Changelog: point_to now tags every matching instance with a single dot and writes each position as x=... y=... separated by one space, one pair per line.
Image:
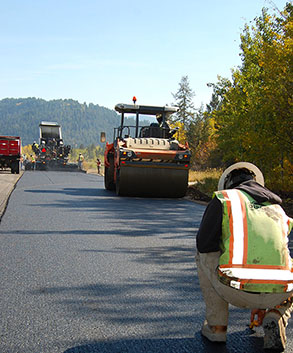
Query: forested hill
x=81 y=123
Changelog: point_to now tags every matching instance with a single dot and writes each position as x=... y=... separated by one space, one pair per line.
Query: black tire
x=17 y=168
x=28 y=166
x=109 y=174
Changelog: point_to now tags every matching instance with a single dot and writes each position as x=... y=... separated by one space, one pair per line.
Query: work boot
x=214 y=333
x=275 y=331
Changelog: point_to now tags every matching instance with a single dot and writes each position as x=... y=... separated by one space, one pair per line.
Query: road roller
x=145 y=159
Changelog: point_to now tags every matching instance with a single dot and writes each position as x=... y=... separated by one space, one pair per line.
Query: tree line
x=249 y=117
x=81 y=123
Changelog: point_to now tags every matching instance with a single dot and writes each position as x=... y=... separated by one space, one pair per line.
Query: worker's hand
x=260 y=314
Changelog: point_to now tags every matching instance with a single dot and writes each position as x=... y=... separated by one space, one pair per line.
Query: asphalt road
x=83 y=270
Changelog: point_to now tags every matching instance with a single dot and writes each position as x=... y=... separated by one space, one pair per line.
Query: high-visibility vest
x=255 y=255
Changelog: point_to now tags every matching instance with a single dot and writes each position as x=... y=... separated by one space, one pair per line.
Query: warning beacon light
x=134 y=99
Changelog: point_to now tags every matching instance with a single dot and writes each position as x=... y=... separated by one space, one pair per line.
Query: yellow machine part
x=151 y=181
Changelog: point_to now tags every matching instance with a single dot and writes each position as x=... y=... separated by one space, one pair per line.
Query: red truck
x=10 y=153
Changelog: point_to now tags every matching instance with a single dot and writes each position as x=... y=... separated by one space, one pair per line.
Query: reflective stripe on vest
x=234 y=268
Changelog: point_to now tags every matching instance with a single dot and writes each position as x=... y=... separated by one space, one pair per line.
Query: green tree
x=254 y=117
x=219 y=90
x=184 y=100
x=199 y=135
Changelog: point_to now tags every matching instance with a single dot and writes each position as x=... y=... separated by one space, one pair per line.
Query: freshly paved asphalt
x=83 y=270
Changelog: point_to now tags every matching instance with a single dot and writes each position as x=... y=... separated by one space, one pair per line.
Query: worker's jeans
x=218 y=296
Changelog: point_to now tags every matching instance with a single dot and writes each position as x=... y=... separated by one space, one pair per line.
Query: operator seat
x=154 y=130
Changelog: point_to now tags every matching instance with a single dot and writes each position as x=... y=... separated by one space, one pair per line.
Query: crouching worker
x=243 y=257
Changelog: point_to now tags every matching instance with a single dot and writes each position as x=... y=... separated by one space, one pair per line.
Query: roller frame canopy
x=145 y=109
x=48 y=123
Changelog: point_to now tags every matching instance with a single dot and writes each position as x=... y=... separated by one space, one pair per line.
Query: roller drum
x=151 y=181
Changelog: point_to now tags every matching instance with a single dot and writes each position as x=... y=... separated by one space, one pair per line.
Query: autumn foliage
x=250 y=116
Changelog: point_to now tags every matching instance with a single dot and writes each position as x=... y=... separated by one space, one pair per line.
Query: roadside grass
x=89 y=165
x=205 y=182
x=202 y=175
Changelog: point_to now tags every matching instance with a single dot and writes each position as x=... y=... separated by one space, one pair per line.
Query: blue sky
x=104 y=52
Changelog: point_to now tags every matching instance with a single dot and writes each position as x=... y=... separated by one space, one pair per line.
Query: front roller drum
x=151 y=181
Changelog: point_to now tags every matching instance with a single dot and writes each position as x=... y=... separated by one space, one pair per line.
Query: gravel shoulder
x=7 y=185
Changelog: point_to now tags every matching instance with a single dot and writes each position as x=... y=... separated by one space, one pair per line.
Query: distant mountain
x=81 y=123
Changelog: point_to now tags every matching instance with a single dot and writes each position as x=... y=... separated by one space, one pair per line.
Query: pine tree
x=183 y=99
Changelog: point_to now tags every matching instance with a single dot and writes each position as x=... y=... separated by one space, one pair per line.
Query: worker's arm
x=210 y=230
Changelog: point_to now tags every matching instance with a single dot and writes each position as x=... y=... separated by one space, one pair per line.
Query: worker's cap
x=250 y=169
